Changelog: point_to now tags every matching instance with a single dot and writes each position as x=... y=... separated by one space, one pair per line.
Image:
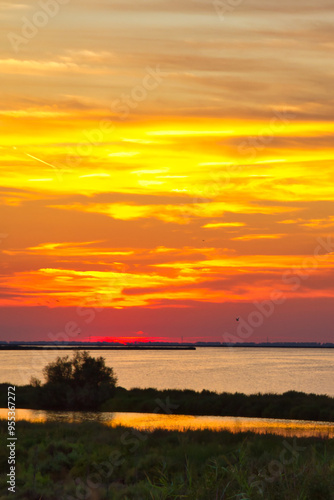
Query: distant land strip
x=24 y=347
x=16 y=345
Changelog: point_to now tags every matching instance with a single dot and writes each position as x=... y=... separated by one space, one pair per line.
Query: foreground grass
x=290 y=405
x=92 y=461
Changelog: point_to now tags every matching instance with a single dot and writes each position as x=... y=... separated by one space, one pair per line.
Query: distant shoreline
x=104 y=346
x=94 y=348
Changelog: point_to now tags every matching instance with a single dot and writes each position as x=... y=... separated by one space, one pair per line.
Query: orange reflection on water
x=151 y=421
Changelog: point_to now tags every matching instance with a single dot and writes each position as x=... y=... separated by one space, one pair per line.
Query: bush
x=79 y=383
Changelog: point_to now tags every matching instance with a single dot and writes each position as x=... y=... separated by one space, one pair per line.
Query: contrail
x=59 y=170
x=42 y=161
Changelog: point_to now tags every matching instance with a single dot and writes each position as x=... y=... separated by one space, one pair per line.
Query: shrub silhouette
x=78 y=383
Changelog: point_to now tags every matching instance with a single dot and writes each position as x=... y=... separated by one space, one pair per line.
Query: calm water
x=152 y=421
x=232 y=370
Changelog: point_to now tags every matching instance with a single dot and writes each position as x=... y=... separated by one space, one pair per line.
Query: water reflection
x=214 y=369
x=152 y=421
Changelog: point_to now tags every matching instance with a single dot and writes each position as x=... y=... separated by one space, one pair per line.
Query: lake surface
x=151 y=421
x=246 y=370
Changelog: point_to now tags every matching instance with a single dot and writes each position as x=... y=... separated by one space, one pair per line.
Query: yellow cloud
x=248 y=237
x=213 y=225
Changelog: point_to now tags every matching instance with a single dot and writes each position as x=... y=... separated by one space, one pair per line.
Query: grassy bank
x=76 y=461
x=290 y=405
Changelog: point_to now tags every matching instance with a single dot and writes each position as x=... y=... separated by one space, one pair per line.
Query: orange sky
x=169 y=164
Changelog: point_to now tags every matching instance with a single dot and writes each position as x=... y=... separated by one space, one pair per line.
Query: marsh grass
x=290 y=405
x=53 y=459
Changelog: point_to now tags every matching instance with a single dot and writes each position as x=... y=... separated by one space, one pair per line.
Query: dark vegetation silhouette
x=78 y=383
x=290 y=405
x=93 y=461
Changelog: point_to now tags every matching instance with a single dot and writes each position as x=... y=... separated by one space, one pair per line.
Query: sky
x=166 y=167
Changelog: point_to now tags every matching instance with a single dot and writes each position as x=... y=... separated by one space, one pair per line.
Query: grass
x=92 y=461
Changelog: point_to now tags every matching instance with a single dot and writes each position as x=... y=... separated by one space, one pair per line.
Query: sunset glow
x=171 y=182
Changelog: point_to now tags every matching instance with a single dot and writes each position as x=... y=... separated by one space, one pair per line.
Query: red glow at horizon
x=125 y=340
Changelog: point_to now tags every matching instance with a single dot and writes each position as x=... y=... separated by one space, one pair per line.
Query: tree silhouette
x=80 y=382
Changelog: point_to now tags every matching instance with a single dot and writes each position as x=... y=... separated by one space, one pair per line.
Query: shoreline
x=291 y=405
x=21 y=346
x=96 y=348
